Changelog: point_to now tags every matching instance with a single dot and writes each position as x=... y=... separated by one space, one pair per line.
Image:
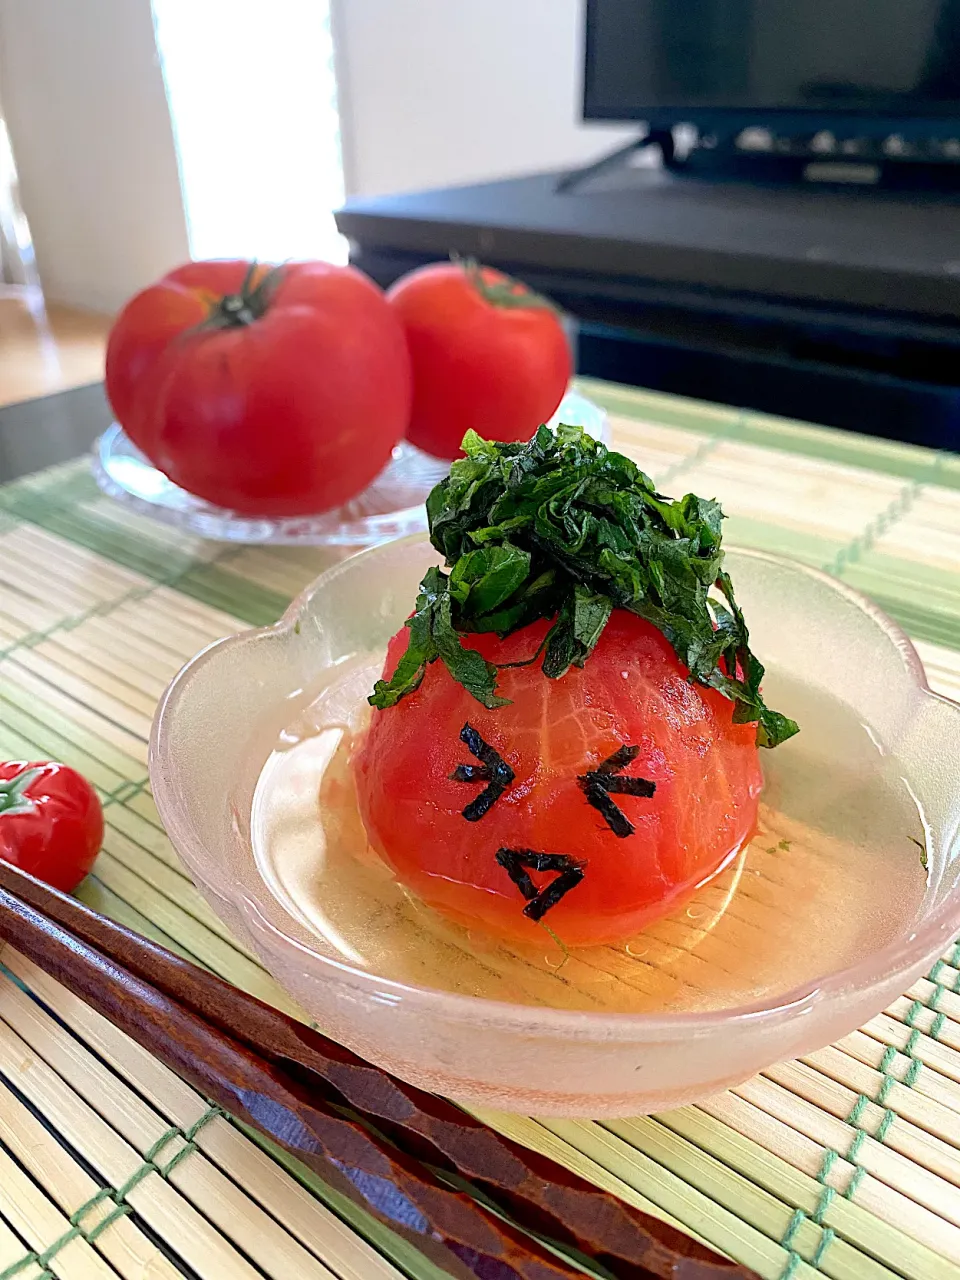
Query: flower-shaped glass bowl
x=223 y=716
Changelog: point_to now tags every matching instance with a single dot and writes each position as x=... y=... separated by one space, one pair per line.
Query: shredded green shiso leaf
x=560 y=527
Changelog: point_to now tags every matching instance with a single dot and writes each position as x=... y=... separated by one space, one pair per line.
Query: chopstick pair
x=403 y=1154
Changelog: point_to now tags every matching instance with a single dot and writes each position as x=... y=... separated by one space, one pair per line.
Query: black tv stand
x=662 y=138
x=759 y=155
x=835 y=304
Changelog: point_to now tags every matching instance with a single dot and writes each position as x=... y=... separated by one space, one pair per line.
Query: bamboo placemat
x=846 y=1164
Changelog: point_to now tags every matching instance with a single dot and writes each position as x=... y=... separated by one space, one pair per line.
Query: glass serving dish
x=749 y=973
x=390 y=507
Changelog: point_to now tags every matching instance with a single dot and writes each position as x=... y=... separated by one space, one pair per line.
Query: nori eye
x=492 y=769
x=601 y=784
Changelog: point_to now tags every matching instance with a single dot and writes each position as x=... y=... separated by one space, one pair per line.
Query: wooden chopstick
x=353 y=1123
x=450 y=1227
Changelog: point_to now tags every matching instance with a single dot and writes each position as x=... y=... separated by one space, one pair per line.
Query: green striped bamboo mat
x=845 y=1164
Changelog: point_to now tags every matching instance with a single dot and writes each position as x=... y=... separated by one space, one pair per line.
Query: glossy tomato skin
x=51 y=822
x=632 y=691
x=291 y=414
x=498 y=370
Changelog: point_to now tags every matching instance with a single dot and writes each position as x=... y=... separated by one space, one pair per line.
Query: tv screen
x=889 y=57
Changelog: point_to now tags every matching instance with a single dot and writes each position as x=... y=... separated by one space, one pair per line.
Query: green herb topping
x=562 y=528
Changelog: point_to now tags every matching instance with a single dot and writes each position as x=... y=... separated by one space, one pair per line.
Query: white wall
x=84 y=97
x=261 y=174
x=431 y=92
x=444 y=91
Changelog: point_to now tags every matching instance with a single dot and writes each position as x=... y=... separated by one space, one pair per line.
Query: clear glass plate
x=391 y=507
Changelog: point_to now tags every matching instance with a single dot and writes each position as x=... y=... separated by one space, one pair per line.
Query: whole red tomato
x=634 y=693
x=270 y=391
x=51 y=823
x=488 y=354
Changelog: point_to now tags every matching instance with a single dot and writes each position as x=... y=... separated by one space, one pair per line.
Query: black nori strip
x=619 y=760
x=621 y=786
x=510 y=860
x=471 y=773
x=545 y=861
x=484 y=802
x=482 y=750
x=516 y=861
x=613 y=815
x=554 y=891
x=493 y=769
x=599 y=784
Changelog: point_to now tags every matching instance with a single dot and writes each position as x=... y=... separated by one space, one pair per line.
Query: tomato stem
x=237 y=310
x=12 y=797
x=506 y=293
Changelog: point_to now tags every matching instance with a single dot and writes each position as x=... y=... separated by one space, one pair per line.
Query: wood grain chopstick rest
x=320 y=1084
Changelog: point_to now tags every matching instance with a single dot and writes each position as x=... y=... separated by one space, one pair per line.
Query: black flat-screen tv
x=706 y=61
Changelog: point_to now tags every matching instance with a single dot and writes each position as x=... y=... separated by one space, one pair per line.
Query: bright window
x=253 y=100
